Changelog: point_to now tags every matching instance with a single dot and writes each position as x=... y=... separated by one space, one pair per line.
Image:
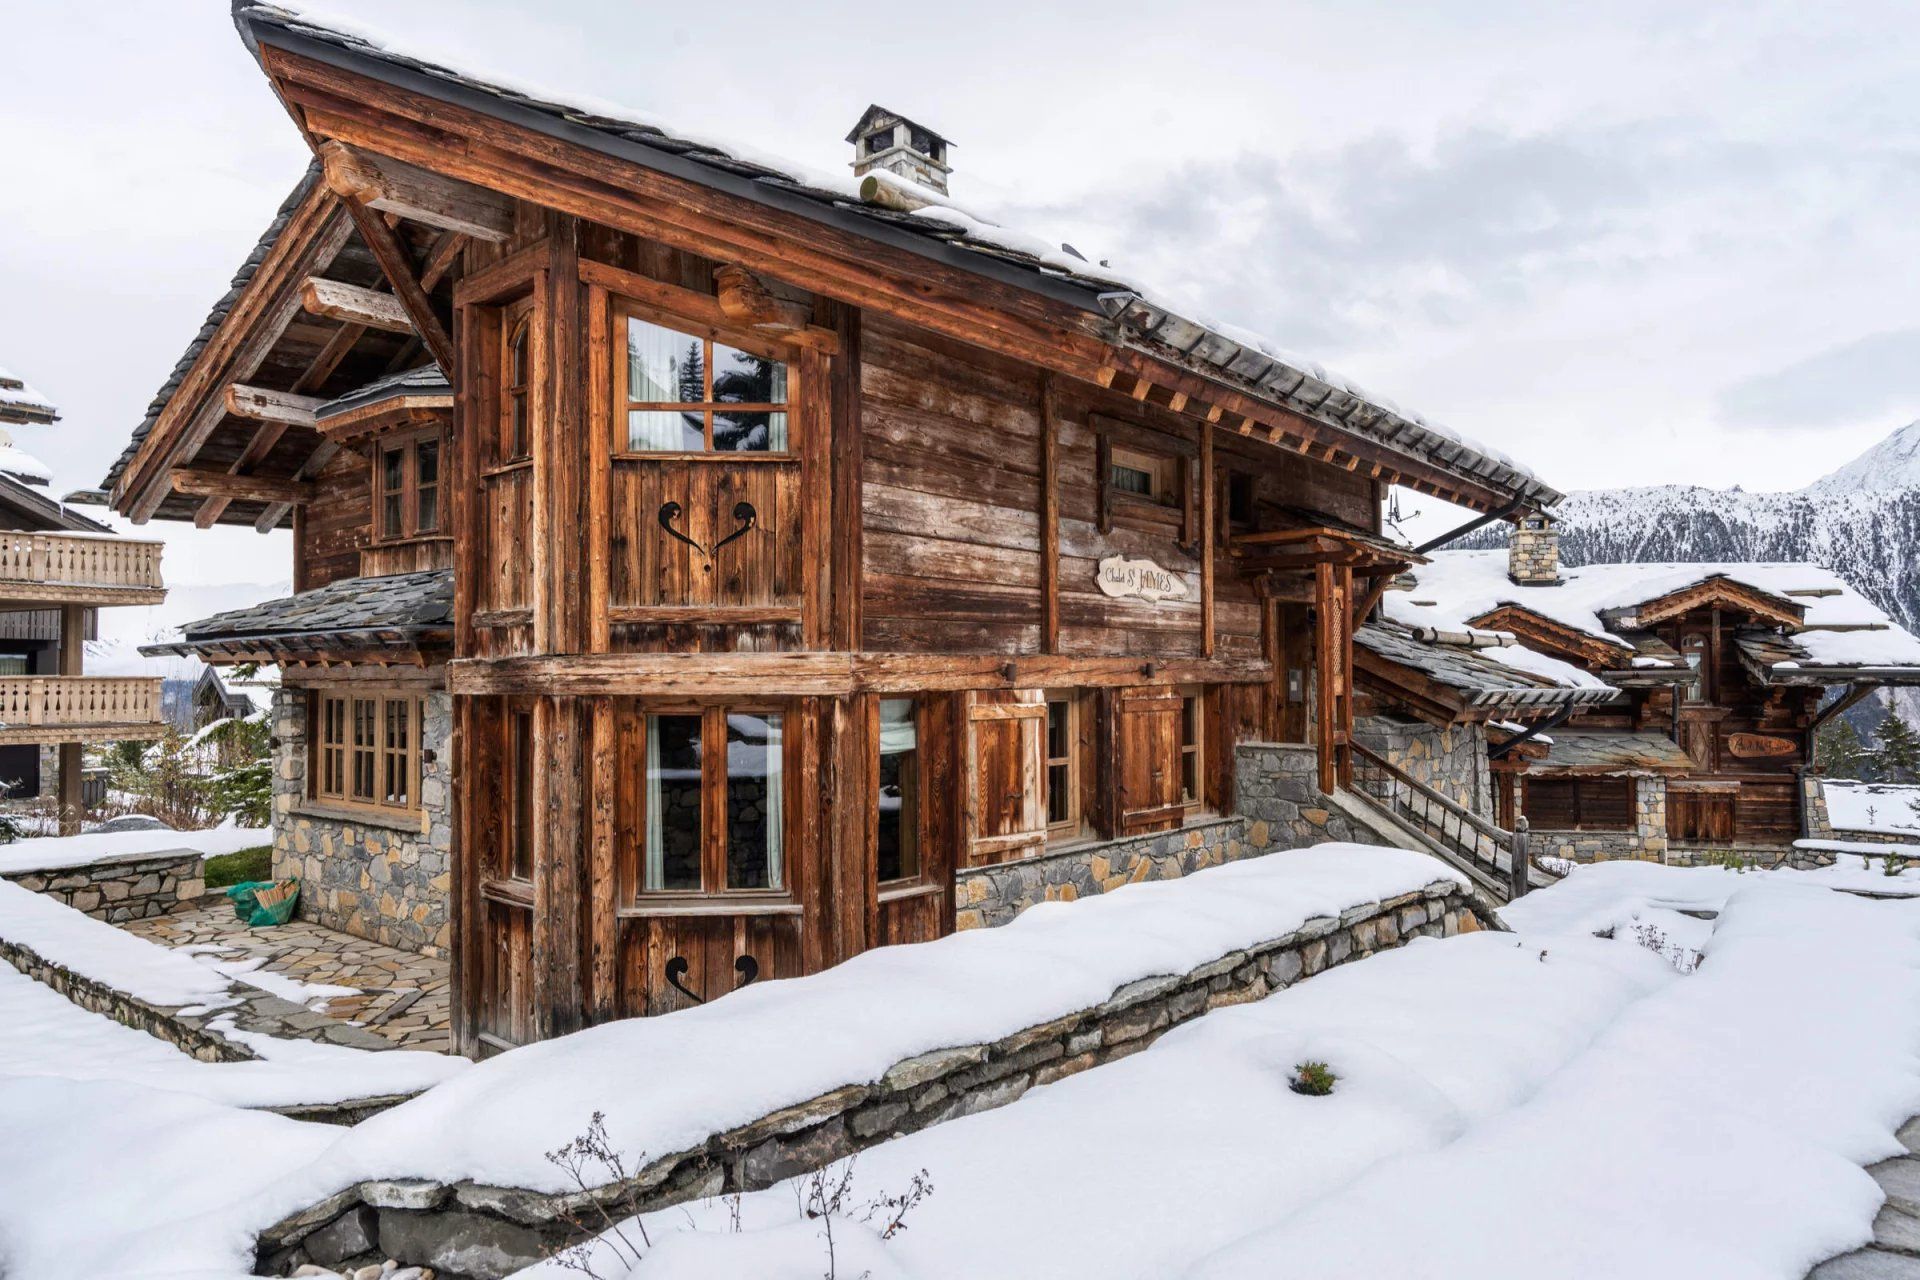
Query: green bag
x=264 y=902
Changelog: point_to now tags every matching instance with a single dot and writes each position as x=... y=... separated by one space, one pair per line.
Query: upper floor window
x=691 y=393
x=1147 y=476
x=516 y=380
x=1694 y=650
x=407 y=487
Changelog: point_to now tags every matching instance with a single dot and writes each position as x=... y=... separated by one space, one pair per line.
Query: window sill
x=412 y=539
x=906 y=892
x=411 y=821
x=655 y=908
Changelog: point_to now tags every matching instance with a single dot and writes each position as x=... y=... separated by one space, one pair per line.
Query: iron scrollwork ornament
x=746 y=966
x=745 y=518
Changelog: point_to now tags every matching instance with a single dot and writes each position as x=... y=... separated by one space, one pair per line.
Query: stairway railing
x=1499 y=854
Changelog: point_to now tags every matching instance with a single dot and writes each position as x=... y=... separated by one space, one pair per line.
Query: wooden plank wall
x=337 y=525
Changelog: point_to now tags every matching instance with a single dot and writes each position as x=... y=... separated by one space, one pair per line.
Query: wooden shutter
x=1147 y=733
x=1006 y=812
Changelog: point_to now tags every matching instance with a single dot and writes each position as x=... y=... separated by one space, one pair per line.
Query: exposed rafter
x=419 y=195
x=202 y=481
x=351 y=304
x=397 y=264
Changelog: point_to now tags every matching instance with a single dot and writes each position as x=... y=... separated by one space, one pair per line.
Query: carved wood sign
x=1760 y=746
x=1138 y=579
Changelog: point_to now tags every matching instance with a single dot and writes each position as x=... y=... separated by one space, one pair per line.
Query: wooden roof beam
x=202 y=482
x=350 y=304
x=277 y=508
x=397 y=265
x=262 y=405
x=393 y=186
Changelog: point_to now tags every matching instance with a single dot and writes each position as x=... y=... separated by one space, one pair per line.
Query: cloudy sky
x=1625 y=242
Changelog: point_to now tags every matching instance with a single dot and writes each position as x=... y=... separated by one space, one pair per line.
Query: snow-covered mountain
x=1862 y=521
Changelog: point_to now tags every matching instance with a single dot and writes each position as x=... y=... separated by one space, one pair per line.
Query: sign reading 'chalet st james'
x=1139 y=579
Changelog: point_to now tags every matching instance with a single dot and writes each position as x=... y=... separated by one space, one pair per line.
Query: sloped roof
x=402 y=608
x=22 y=403
x=23 y=506
x=1486 y=677
x=1841 y=629
x=427 y=380
x=1148 y=318
x=1630 y=754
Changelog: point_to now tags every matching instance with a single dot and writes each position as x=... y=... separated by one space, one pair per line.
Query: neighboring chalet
x=57 y=569
x=705 y=571
x=1721 y=670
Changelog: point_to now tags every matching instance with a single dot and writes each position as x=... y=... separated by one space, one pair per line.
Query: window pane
x=673 y=803
x=1059 y=729
x=740 y=377
x=899 y=799
x=749 y=432
x=1132 y=480
x=1059 y=793
x=753 y=802
x=517 y=357
x=426 y=462
x=653 y=430
x=518 y=443
x=664 y=367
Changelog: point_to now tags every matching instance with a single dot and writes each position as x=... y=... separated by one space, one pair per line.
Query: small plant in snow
x=1315 y=1079
x=827 y=1194
x=1654 y=938
x=1894 y=864
x=1733 y=861
x=593 y=1153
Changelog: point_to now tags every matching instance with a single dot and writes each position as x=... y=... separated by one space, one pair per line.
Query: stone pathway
x=402 y=997
x=1895 y=1251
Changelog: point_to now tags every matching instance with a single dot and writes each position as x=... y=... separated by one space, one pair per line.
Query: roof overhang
x=1713 y=590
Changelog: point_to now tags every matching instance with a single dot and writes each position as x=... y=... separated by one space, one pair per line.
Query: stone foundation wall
x=1277 y=791
x=993 y=895
x=1647 y=841
x=387 y=879
x=471 y=1232
x=1452 y=759
x=1769 y=857
x=134 y=889
x=1813 y=804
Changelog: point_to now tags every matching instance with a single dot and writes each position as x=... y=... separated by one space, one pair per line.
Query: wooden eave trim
x=1577 y=645
x=553 y=163
x=827 y=674
x=313 y=236
x=382 y=416
x=1723 y=592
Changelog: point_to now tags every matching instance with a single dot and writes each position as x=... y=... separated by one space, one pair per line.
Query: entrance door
x=1292 y=653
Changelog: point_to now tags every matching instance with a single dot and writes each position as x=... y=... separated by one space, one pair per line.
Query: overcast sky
x=1627 y=243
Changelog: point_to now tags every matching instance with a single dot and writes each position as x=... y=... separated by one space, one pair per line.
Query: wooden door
x=1006 y=814
x=1147 y=733
x=1292 y=671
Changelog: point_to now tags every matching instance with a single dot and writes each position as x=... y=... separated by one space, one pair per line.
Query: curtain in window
x=656 y=874
x=775 y=824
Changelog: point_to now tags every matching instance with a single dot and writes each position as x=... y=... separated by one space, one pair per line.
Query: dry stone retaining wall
x=130 y=889
x=471 y=1232
x=1277 y=791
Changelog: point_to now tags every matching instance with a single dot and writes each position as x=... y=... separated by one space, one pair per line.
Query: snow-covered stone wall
x=128 y=889
x=388 y=879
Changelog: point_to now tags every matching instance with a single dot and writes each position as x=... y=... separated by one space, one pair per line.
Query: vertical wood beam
x=1333 y=636
x=564 y=466
x=465 y=916
x=1049 y=517
x=559 y=751
x=599 y=417
x=818 y=533
x=849 y=457
x=602 y=879
x=73 y=638
x=397 y=265
x=844 y=794
x=1208 y=536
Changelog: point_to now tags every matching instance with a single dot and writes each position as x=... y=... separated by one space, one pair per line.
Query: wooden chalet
x=728 y=563
x=1723 y=673
x=58 y=568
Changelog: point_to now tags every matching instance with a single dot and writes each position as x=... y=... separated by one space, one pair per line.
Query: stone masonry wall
x=985 y=896
x=1452 y=759
x=1277 y=791
x=134 y=889
x=385 y=879
x=1647 y=841
x=472 y=1232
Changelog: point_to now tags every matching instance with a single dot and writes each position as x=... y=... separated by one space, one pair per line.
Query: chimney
x=886 y=140
x=1533 y=551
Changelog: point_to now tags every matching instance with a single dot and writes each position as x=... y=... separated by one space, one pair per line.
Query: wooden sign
x=1760 y=746
x=1138 y=579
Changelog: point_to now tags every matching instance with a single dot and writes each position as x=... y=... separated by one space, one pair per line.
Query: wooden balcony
x=78 y=568
x=78 y=708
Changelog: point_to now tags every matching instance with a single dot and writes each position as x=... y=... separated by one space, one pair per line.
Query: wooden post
x=1049 y=519
x=1517 y=871
x=559 y=858
x=1207 y=536
x=73 y=637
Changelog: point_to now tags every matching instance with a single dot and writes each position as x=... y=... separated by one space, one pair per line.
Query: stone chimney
x=1533 y=551
x=886 y=140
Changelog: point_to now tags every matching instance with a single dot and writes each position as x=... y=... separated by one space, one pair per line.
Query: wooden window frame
x=1166 y=472
x=713 y=786
x=1073 y=826
x=336 y=754
x=921 y=833
x=518 y=845
x=623 y=308
x=516 y=329
x=1193 y=703
x=408 y=446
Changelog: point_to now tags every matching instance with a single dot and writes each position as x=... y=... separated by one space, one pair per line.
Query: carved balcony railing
x=78 y=568
x=78 y=708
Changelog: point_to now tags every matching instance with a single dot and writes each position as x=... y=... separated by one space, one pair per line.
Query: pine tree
x=1897 y=750
x=1839 y=751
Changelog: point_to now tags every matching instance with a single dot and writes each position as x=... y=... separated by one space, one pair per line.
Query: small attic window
x=878 y=142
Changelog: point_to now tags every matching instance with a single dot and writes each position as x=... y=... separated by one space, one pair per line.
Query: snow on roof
x=1158 y=314
x=22 y=403
x=16 y=461
x=1842 y=628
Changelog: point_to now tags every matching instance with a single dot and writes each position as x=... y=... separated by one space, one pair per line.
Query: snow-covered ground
x=1885 y=807
x=48 y=853
x=1539 y=1103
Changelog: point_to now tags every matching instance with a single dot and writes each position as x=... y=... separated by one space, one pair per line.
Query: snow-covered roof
x=21 y=465
x=1154 y=319
x=22 y=403
x=1841 y=629
x=1487 y=670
